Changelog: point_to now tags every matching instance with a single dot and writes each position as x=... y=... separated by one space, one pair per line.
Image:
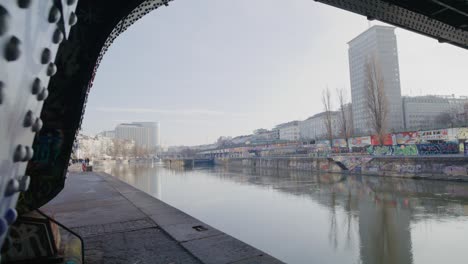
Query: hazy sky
x=208 y=68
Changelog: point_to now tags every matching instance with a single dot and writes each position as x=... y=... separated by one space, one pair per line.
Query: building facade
x=264 y=135
x=378 y=44
x=144 y=134
x=427 y=112
x=108 y=133
x=288 y=131
x=314 y=127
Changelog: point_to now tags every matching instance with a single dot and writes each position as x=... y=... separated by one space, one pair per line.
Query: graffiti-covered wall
x=441 y=168
x=415 y=150
x=424 y=167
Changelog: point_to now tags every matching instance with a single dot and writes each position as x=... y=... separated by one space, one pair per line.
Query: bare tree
x=327 y=106
x=136 y=151
x=117 y=147
x=110 y=149
x=377 y=104
x=345 y=120
x=444 y=119
x=465 y=113
x=127 y=148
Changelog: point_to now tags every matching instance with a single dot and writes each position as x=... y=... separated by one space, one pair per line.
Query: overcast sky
x=211 y=68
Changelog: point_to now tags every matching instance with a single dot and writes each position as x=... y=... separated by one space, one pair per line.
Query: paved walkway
x=121 y=224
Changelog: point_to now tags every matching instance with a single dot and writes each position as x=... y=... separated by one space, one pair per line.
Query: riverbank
x=121 y=224
x=435 y=168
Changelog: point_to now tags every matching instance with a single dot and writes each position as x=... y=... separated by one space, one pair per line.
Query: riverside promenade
x=121 y=224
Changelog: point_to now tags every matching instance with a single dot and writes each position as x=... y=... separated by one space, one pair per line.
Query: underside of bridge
x=100 y=22
x=444 y=20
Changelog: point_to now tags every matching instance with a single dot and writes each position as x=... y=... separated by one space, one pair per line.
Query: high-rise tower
x=377 y=44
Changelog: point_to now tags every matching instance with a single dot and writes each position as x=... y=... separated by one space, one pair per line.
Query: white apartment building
x=421 y=112
x=144 y=134
x=260 y=135
x=314 y=127
x=288 y=131
x=378 y=44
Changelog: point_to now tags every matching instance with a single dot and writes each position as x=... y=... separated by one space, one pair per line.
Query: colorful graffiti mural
x=405 y=150
x=405 y=138
x=359 y=150
x=388 y=140
x=340 y=149
x=352 y=162
x=339 y=142
x=455 y=171
x=414 y=150
x=437 y=149
x=408 y=168
x=438 y=134
x=360 y=141
x=380 y=150
x=462 y=133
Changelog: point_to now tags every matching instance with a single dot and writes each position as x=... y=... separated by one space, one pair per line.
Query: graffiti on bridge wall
x=340 y=150
x=408 y=168
x=436 y=149
x=48 y=147
x=405 y=150
x=361 y=150
x=438 y=134
x=455 y=171
x=462 y=133
x=380 y=150
x=414 y=150
x=404 y=138
x=387 y=140
x=352 y=163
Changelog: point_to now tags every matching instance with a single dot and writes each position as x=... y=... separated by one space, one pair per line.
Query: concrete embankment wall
x=179 y=162
x=440 y=168
x=312 y=164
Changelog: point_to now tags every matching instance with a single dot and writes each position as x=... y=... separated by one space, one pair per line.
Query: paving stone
x=110 y=213
x=83 y=204
x=221 y=249
x=143 y=247
x=94 y=230
x=169 y=216
x=141 y=200
x=191 y=231
x=156 y=207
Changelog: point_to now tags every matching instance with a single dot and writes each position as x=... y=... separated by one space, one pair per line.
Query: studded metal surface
x=69 y=16
x=98 y=24
x=28 y=44
x=393 y=13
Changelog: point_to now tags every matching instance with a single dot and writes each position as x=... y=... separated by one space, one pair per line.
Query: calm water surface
x=301 y=217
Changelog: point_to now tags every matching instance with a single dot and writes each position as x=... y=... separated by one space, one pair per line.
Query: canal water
x=301 y=217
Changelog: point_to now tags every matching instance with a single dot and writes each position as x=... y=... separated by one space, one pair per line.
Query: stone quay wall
x=437 y=168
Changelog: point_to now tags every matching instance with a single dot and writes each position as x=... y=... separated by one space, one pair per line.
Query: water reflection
x=301 y=217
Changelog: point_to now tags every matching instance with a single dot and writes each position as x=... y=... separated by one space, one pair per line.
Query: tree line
x=127 y=149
